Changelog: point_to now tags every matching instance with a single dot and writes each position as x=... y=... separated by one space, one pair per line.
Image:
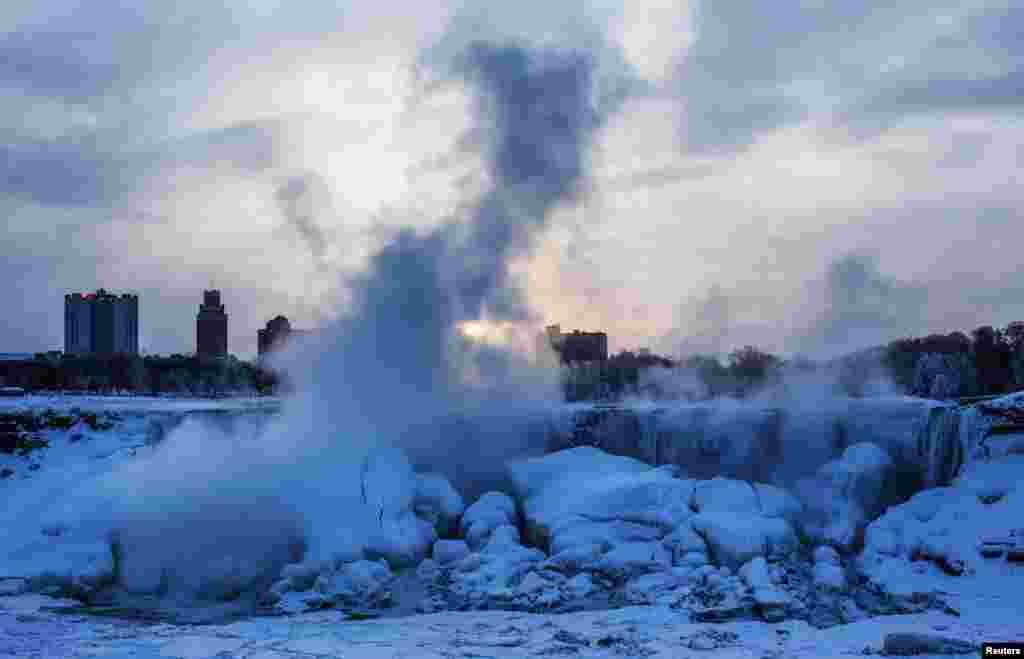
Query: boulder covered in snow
x=735 y=538
x=492 y=573
x=77 y=567
x=632 y=559
x=362 y=583
x=593 y=511
x=437 y=502
x=449 y=551
x=725 y=495
x=583 y=496
x=828 y=570
x=490 y=511
x=409 y=510
x=771 y=600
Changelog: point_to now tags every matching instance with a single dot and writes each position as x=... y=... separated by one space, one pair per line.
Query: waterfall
x=929 y=442
x=939 y=448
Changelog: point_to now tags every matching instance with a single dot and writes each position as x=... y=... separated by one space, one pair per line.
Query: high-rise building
x=276 y=335
x=577 y=346
x=273 y=335
x=101 y=323
x=211 y=327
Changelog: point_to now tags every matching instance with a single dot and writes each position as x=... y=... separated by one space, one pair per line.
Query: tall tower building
x=77 y=324
x=273 y=336
x=101 y=323
x=211 y=327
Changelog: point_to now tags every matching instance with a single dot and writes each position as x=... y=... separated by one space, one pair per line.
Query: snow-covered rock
x=450 y=551
x=79 y=568
x=579 y=587
x=532 y=476
x=402 y=541
x=725 y=495
x=576 y=531
x=503 y=537
x=654 y=588
x=755 y=573
x=409 y=511
x=492 y=572
x=490 y=511
x=390 y=488
x=826 y=554
x=429 y=570
x=776 y=502
x=361 y=584
x=631 y=559
x=828 y=570
x=437 y=502
x=12 y=587
x=771 y=600
x=575 y=558
x=829 y=576
x=582 y=496
x=302 y=576
x=684 y=540
x=735 y=538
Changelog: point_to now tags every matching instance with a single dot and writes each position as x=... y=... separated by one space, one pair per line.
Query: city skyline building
x=211 y=327
x=276 y=335
x=101 y=323
x=577 y=346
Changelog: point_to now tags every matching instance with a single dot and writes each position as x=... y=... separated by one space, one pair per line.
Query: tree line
x=988 y=361
x=150 y=374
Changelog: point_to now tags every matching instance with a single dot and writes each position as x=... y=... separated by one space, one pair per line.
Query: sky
x=807 y=177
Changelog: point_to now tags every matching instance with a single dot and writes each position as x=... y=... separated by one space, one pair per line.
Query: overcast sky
x=805 y=176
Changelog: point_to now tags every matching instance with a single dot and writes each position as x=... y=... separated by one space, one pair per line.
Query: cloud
x=861 y=307
x=754 y=69
x=749 y=148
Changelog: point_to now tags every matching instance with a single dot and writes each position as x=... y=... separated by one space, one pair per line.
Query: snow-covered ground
x=28 y=631
x=726 y=566
x=140 y=404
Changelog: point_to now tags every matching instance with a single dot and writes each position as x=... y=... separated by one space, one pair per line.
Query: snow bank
x=949 y=527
